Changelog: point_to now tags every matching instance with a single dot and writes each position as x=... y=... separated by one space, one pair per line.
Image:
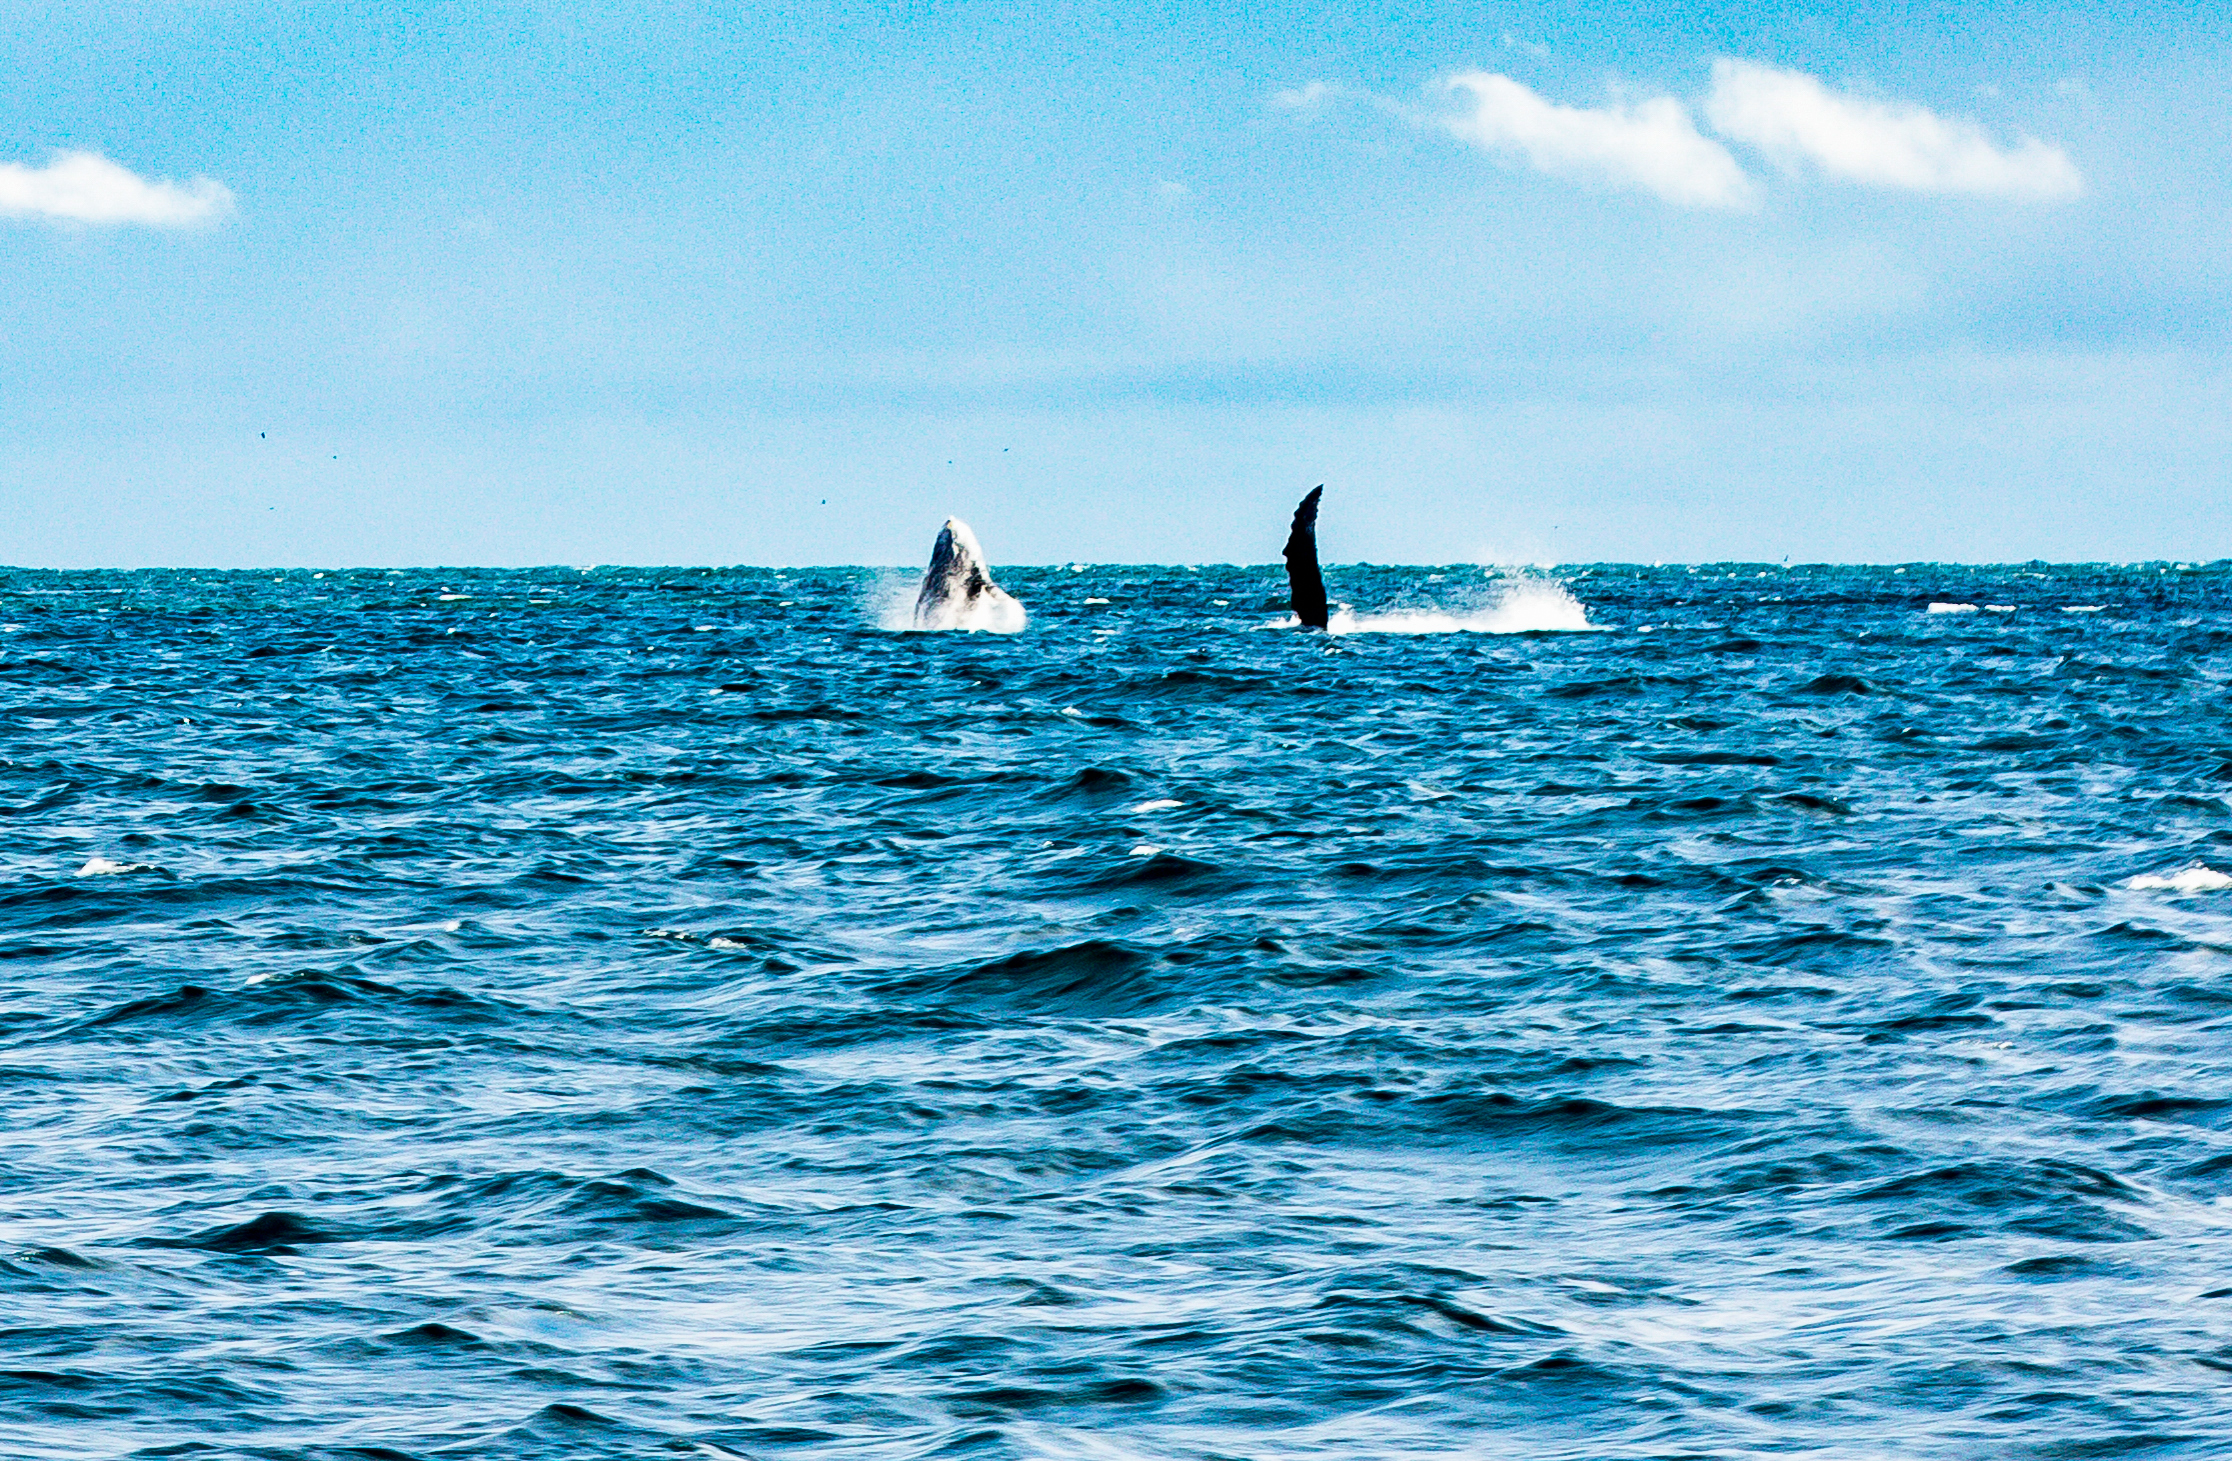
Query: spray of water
x=888 y=602
x=1514 y=606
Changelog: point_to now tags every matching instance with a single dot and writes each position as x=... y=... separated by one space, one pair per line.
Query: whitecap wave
x=1522 y=606
x=1952 y=609
x=2196 y=878
x=101 y=867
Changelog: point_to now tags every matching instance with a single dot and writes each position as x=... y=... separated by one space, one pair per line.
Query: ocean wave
x=798 y=1038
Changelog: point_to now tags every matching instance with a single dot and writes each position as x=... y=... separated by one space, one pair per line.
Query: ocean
x=1727 y=1011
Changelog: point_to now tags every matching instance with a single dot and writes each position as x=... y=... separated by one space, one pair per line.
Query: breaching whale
x=1304 y=586
x=958 y=591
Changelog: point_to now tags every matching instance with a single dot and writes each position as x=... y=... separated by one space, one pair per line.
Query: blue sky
x=406 y=284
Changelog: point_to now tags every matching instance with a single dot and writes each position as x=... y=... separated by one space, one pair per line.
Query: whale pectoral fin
x=1305 y=586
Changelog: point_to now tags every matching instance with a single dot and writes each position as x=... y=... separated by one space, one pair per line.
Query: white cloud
x=1651 y=145
x=1302 y=96
x=1790 y=116
x=85 y=187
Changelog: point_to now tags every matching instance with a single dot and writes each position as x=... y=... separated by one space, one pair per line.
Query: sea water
x=1726 y=1011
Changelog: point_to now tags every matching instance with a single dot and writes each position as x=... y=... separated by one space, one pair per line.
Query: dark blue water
x=640 y=1013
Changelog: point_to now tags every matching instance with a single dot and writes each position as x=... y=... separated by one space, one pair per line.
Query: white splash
x=990 y=613
x=1521 y=606
x=1159 y=804
x=889 y=604
x=2198 y=878
x=1952 y=608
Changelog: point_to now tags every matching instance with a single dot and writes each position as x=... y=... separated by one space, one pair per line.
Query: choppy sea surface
x=1618 y=1012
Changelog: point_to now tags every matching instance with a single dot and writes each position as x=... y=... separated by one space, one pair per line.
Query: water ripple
x=654 y=1012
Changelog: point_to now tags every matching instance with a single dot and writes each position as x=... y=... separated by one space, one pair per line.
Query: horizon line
x=1081 y=564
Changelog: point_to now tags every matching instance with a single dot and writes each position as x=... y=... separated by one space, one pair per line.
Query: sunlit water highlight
x=631 y=1013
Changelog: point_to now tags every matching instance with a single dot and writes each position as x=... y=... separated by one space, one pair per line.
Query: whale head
x=957 y=590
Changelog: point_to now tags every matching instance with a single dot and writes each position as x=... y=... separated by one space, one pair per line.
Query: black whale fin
x=1304 y=585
